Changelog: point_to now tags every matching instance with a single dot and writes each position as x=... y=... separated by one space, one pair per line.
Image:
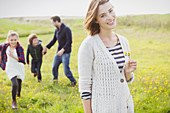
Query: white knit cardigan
x=100 y=75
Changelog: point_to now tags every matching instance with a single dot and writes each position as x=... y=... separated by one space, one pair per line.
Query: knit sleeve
x=85 y=63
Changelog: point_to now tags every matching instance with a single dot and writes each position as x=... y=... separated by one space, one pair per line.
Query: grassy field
x=149 y=46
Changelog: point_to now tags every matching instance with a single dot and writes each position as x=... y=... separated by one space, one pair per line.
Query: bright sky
x=20 y=8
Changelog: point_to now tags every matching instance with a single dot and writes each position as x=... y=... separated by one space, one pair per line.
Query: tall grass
x=146 y=21
x=24 y=28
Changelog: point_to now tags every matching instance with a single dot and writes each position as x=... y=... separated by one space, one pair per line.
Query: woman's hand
x=130 y=67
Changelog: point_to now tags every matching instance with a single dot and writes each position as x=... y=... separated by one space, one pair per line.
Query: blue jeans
x=36 y=67
x=65 y=59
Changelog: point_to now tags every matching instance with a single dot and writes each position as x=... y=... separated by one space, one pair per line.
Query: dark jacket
x=64 y=38
x=36 y=52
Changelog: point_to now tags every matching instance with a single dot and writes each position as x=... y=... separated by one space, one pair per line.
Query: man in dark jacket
x=64 y=37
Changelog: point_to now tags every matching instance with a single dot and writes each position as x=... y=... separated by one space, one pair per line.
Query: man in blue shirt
x=64 y=37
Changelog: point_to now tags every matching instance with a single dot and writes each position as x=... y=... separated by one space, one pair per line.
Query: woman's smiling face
x=106 y=16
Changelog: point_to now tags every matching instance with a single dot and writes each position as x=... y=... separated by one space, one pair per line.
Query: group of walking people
x=12 y=58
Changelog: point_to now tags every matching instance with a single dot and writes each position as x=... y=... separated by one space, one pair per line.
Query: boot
x=35 y=74
x=14 y=104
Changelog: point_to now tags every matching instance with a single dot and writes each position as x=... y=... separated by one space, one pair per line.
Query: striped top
x=117 y=53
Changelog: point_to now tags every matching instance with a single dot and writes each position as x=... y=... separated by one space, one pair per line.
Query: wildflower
x=128 y=53
x=30 y=108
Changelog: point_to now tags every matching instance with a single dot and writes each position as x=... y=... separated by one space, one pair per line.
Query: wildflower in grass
x=128 y=54
x=165 y=83
x=155 y=88
x=147 y=79
x=150 y=87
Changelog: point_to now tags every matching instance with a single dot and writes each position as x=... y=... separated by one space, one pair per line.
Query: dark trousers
x=36 y=67
x=16 y=87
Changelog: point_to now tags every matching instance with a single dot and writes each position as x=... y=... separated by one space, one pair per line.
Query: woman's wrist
x=128 y=75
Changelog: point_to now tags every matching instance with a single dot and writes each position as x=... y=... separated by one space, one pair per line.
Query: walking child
x=12 y=60
x=35 y=49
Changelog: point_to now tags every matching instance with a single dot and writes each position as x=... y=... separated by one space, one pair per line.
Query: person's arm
x=86 y=99
x=52 y=42
x=130 y=80
x=0 y=53
x=59 y=53
x=41 y=50
x=0 y=57
x=129 y=76
x=130 y=66
x=85 y=62
x=87 y=106
x=27 y=57
x=49 y=45
x=12 y=55
x=0 y=47
x=68 y=41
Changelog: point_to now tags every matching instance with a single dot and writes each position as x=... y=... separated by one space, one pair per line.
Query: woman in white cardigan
x=104 y=63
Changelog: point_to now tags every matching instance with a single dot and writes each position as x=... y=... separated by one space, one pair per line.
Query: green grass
x=146 y=21
x=23 y=28
x=150 y=89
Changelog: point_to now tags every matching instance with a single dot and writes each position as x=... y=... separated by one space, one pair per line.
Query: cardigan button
x=122 y=80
